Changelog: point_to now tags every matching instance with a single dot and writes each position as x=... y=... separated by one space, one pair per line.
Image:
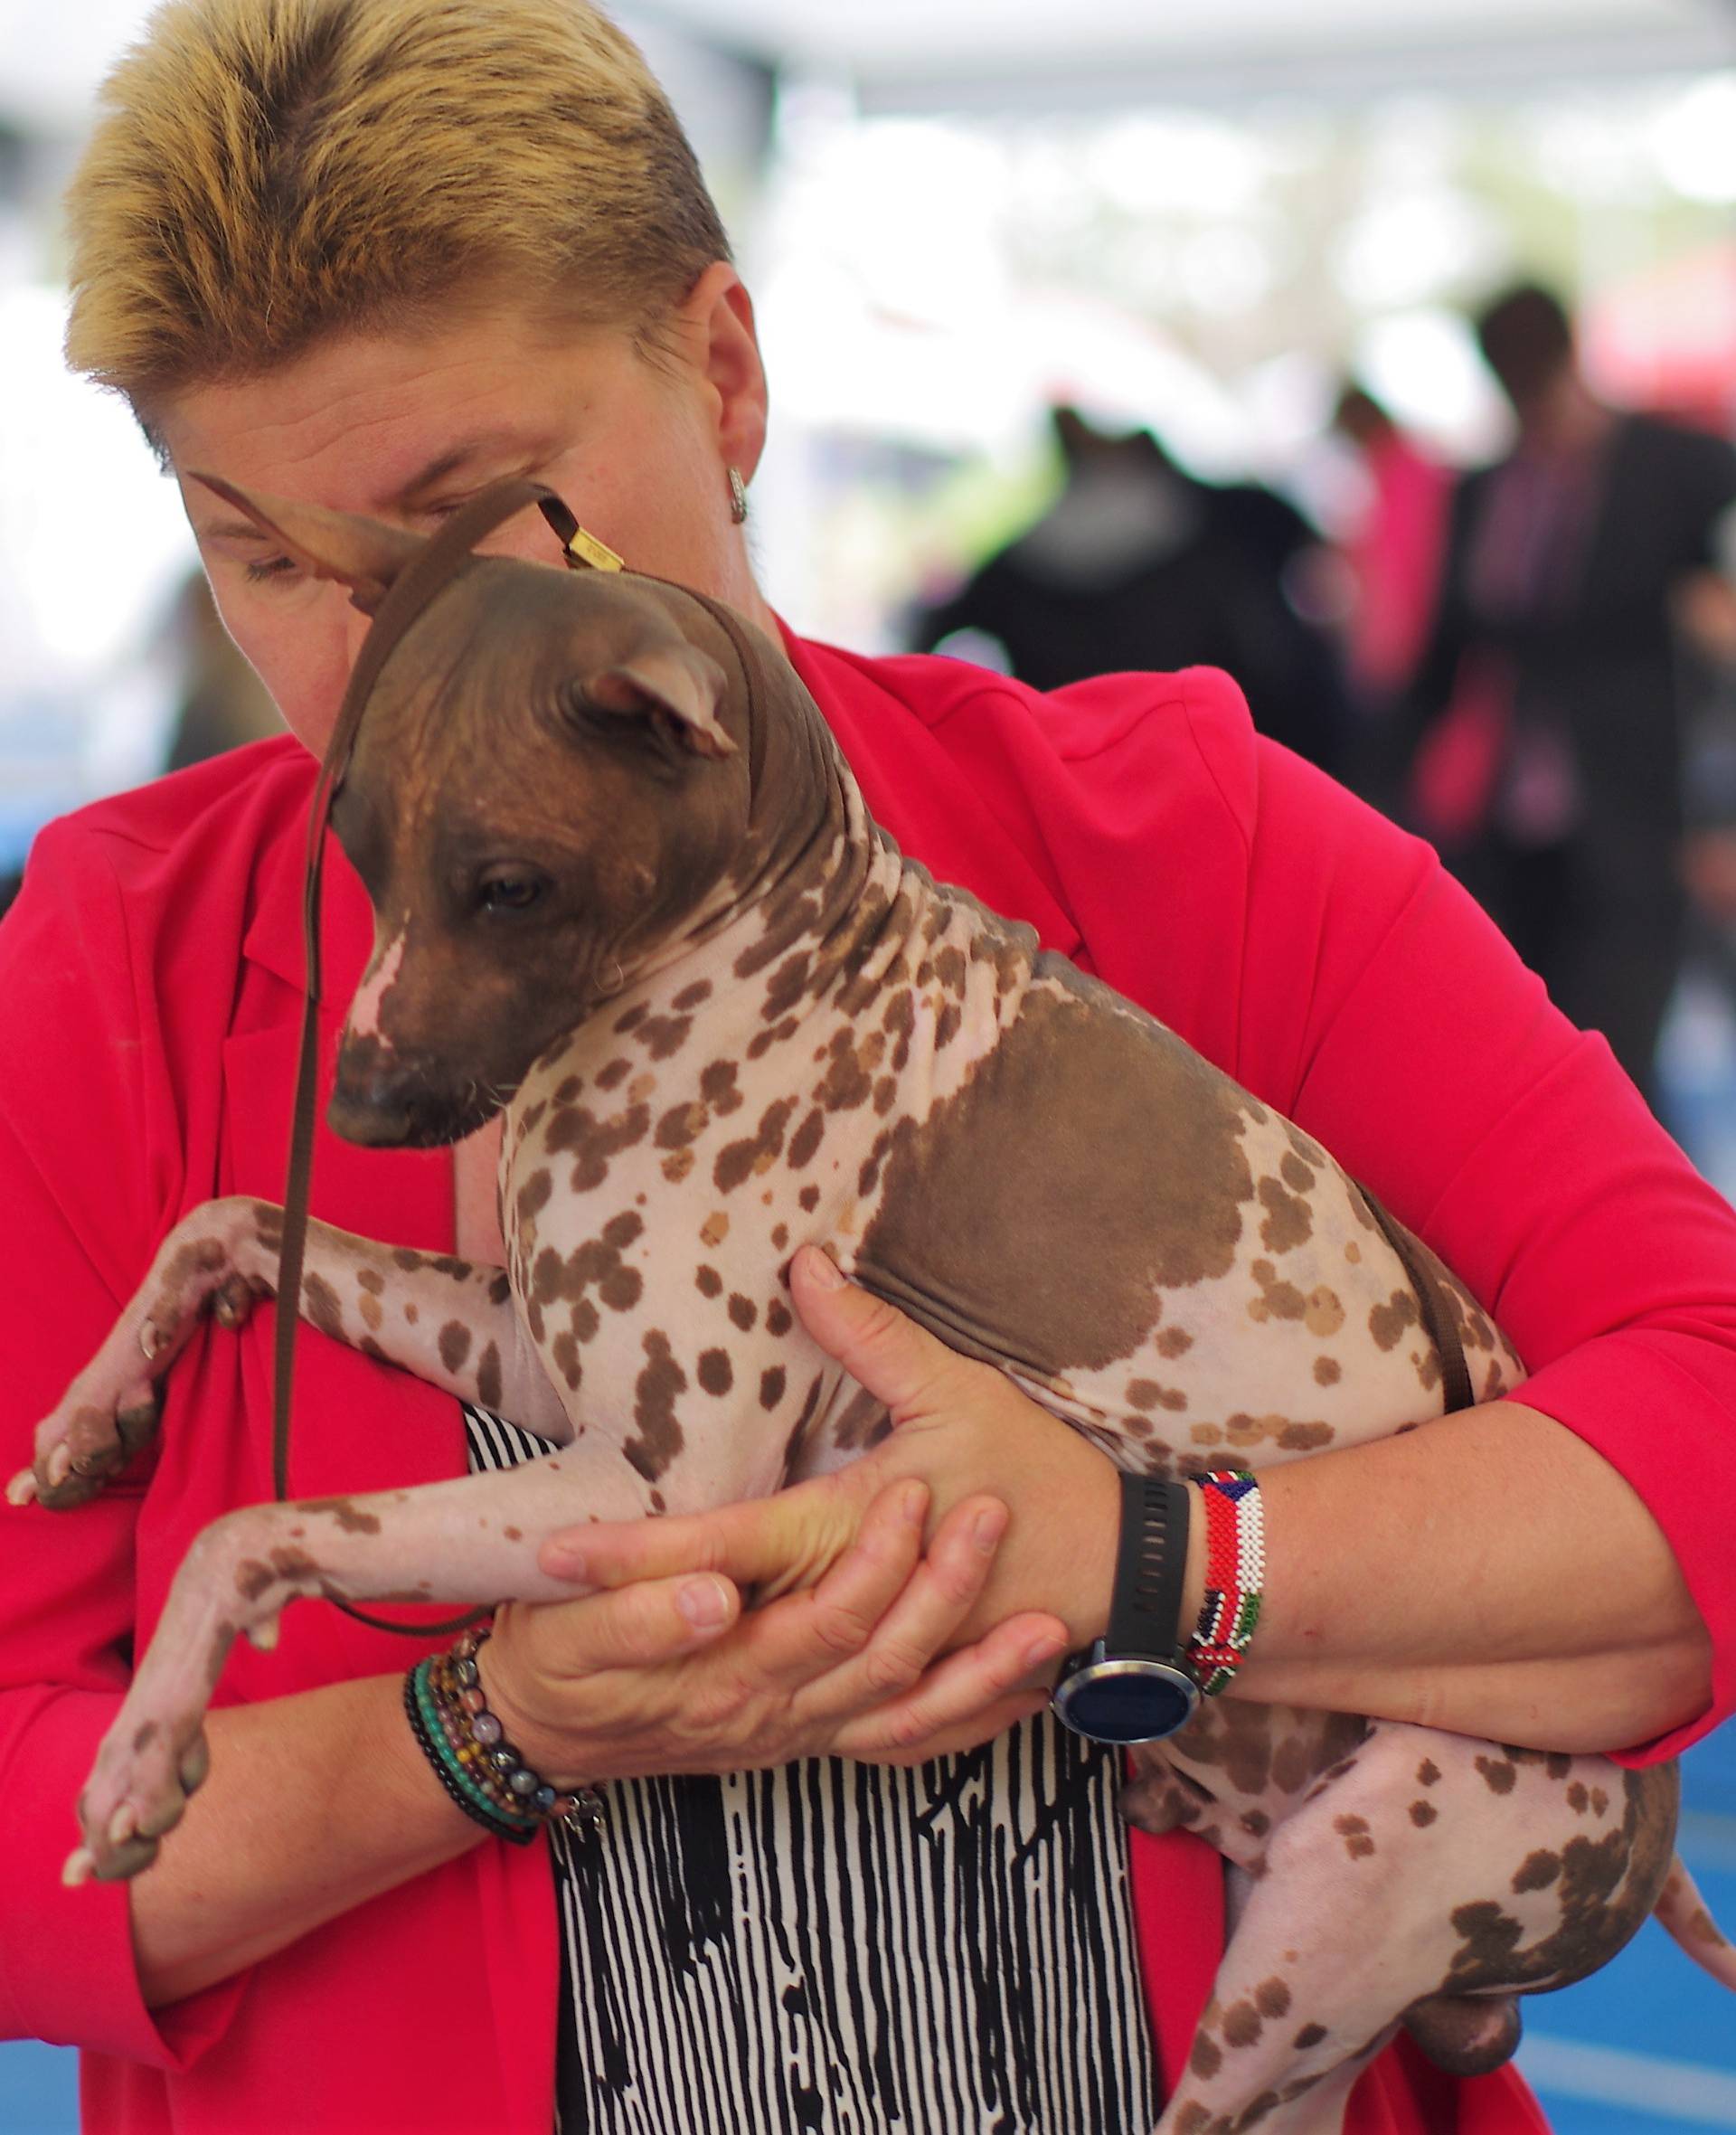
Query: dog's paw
x=136 y=1796
x=83 y=1443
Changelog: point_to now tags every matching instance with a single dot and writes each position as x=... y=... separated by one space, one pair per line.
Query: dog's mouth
x=406 y=1105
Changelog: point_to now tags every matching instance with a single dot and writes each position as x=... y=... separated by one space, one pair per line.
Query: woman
x=372 y=255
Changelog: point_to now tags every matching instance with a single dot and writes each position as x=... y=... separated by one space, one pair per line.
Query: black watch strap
x=1146 y=1606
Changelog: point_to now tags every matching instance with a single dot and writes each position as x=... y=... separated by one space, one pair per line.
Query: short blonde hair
x=268 y=172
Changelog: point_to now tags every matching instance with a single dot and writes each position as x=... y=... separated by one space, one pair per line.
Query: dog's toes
x=78 y=1867
x=263 y=1636
x=124 y=1862
x=22 y=1488
x=233 y=1300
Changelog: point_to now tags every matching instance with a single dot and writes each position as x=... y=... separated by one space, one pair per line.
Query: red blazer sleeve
x=1384 y=1011
x=88 y=1173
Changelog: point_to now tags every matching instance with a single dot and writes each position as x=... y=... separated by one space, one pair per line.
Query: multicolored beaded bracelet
x=480 y=1768
x=1235 y=1577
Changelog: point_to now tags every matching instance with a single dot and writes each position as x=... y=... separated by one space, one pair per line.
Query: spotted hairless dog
x=626 y=888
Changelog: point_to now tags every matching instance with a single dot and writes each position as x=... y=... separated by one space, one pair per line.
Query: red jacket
x=148 y=1004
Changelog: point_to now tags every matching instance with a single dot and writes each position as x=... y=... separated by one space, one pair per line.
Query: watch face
x=1126 y=1701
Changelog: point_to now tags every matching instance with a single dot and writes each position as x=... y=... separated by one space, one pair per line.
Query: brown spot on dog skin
x=1498 y=1773
x=806 y=1140
x=319 y=1302
x=632 y=1018
x=500 y=1289
x=371 y=1281
x=1599 y=1802
x=1309 y=2035
x=654 y=1391
x=610 y=1078
x=368 y=1305
x=707 y=1282
x=1256 y=1823
x=253 y=1578
x=563 y=1351
x=742 y=1311
x=595 y=1142
x=1298 y=1175
x=1557 y=1763
x=455 y=1344
x=1305 y=1438
x=342 y=1510
x=859 y=1426
x=1146 y=1393
x=717 y=1087
x=1174 y=1342
x=810 y=1198
x=488 y=1377
x=1578 y=1799
x=533 y=1195
x=1537 y=1871
x=406 y=1257
x=771 y=1386
x=715 y=1229
x=1290 y=1221
x=1242 y=2024
x=680 y=1125
x=779 y=1237
x=1428 y=1773
x=778 y=1317
x=1423 y=1814
x=514 y=1533
x=1272 y=1998
x=145 y=1736
x=677 y=1167
x=1353 y=1830
x=716 y=1373
x=692 y=997
x=1326 y=1372
x=1207 y=2056
x=412 y=1312
x=1387 y=1323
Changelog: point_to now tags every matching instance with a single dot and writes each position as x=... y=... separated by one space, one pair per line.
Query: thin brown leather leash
x=416 y=587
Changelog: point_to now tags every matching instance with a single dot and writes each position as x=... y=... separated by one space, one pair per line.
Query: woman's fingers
x=900 y=1363
x=971 y=1697
x=924 y=1620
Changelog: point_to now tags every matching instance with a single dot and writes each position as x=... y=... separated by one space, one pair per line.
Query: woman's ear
x=360 y=554
x=718 y=313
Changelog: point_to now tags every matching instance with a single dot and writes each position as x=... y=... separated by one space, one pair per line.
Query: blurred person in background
x=372 y=255
x=1392 y=551
x=1140 y=565
x=1547 y=717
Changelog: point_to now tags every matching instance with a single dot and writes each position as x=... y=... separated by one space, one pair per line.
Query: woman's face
x=407 y=429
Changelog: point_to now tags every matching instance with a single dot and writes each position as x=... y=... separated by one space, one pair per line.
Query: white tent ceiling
x=924 y=53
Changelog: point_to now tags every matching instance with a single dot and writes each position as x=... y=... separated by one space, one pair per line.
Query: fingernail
x=913 y=1504
x=1042 y=1650
x=988 y=1529
x=562 y=1563
x=703 y=1602
x=821 y=1269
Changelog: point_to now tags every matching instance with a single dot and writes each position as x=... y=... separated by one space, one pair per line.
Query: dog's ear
x=360 y=554
x=678 y=680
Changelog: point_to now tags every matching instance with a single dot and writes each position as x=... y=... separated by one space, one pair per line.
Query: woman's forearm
x=1490 y=1574
x=315 y=1803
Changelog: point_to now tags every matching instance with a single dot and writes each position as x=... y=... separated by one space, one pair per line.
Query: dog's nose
x=380 y=1100
x=376 y=1117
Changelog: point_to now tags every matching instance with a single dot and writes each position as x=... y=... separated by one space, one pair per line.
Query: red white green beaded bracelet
x=1235 y=1577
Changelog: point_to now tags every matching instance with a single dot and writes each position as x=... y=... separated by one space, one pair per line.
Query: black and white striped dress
x=852 y=1949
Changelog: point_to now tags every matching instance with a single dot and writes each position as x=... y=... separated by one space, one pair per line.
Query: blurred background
x=1152 y=343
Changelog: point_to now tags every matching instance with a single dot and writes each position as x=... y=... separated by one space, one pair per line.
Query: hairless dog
x=626 y=888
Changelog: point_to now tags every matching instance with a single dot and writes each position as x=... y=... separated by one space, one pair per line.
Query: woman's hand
x=838 y=1575
x=669 y=1674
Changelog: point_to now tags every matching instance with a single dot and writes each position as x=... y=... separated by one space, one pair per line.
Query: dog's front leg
x=448 y=1320
x=473 y=1539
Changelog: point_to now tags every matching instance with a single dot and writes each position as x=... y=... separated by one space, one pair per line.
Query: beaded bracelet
x=1235 y=1577
x=481 y=1770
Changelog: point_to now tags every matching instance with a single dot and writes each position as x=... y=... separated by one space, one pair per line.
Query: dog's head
x=549 y=782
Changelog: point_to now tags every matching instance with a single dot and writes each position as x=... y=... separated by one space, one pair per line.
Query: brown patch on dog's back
x=1063 y=1074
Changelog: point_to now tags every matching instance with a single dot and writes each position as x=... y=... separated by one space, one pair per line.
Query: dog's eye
x=503 y=891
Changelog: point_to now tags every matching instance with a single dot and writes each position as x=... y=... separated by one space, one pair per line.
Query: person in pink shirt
x=372 y=256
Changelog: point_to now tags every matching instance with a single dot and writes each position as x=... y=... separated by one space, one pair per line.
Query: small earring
x=738 y=496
